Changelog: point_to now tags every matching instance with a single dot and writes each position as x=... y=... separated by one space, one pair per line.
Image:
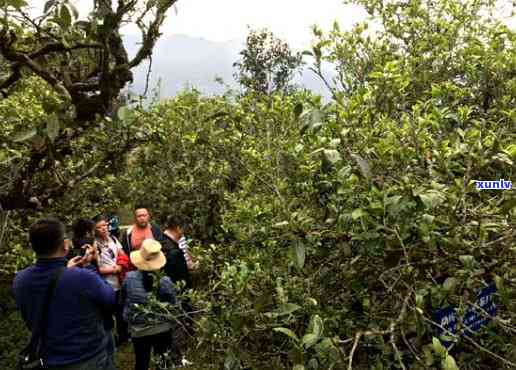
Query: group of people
x=77 y=295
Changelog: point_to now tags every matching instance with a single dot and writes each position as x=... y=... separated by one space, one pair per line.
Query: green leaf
x=24 y=135
x=300 y=254
x=449 y=363
x=287 y=332
x=429 y=357
x=395 y=199
x=504 y=158
x=365 y=169
x=299 y=367
x=438 y=347
x=357 y=213
x=312 y=301
x=325 y=345
x=511 y=150
x=429 y=219
x=298 y=110
x=17 y=4
x=287 y=309
x=467 y=260
x=332 y=155
x=318 y=325
x=124 y=113
x=312 y=119
x=309 y=340
x=499 y=283
x=65 y=16
x=231 y=363
x=280 y=224
x=53 y=127
x=432 y=198
x=450 y=284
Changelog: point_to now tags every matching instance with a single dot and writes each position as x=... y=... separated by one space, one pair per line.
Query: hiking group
x=78 y=295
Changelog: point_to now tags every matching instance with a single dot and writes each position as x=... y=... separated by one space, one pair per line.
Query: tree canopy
x=80 y=67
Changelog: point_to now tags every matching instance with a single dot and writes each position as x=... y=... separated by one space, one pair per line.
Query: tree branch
x=12 y=79
x=150 y=37
x=59 y=47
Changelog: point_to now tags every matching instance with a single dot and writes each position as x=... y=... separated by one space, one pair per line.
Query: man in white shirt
x=110 y=249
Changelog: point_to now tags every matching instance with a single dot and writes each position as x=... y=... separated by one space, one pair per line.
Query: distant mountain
x=183 y=61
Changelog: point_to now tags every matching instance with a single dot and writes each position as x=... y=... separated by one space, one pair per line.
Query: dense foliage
x=330 y=232
x=75 y=69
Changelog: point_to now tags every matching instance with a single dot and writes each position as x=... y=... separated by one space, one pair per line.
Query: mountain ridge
x=181 y=61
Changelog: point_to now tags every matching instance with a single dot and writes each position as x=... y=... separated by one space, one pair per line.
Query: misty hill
x=183 y=61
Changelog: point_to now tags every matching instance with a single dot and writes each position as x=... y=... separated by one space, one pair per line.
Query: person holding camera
x=62 y=304
x=85 y=244
x=83 y=239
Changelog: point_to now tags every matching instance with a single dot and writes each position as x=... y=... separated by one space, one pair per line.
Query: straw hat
x=149 y=257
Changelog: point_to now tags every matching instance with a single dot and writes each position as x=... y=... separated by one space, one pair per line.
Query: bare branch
x=392 y=327
x=358 y=335
x=147 y=78
x=151 y=36
x=12 y=79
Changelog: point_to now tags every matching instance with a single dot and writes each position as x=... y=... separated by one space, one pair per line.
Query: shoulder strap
x=38 y=337
x=115 y=239
x=126 y=243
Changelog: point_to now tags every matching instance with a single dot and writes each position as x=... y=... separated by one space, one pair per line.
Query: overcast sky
x=224 y=20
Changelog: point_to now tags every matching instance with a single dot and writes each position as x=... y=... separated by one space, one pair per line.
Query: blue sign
x=474 y=318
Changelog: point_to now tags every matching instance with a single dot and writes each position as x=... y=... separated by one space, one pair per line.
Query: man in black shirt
x=176 y=267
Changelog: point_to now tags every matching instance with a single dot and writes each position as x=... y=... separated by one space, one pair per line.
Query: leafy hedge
x=338 y=229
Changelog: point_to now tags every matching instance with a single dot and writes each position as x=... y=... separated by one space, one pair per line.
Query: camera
x=81 y=245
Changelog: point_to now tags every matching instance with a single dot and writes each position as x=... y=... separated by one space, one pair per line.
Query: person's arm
x=109 y=269
x=183 y=245
x=98 y=290
x=190 y=262
x=119 y=247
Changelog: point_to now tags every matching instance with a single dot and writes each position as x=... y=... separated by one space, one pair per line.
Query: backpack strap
x=38 y=338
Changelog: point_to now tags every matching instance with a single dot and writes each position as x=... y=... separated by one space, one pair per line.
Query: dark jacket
x=176 y=267
x=126 y=237
x=134 y=293
x=75 y=330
